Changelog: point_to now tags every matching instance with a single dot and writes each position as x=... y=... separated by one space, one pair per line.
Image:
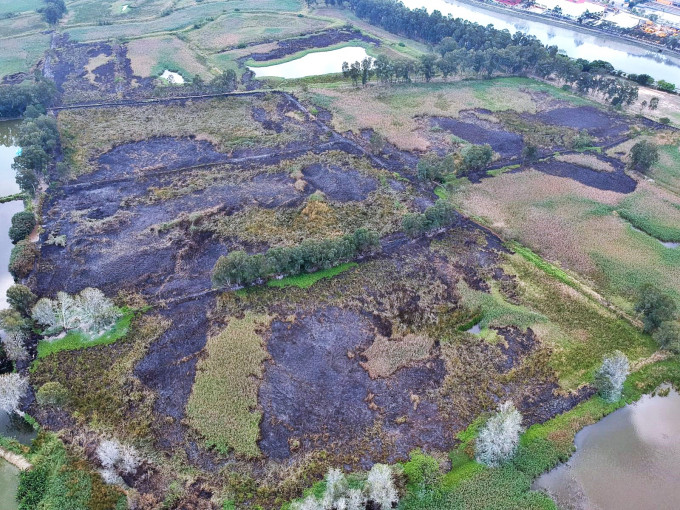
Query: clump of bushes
x=434 y=168
x=656 y=307
x=52 y=393
x=53 y=10
x=378 y=492
x=440 y=215
x=23 y=224
x=21 y=299
x=668 y=336
x=242 y=269
x=90 y=311
x=643 y=156
x=582 y=140
x=22 y=259
x=476 y=157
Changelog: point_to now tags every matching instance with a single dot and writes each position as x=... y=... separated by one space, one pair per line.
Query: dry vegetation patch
x=152 y=55
x=223 y=399
x=226 y=122
x=387 y=355
x=586 y=160
x=393 y=111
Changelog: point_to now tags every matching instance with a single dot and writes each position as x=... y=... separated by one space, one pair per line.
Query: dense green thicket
x=15 y=100
x=38 y=138
x=53 y=11
x=643 y=156
x=23 y=224
x=469 y=48
x=440 y=215
x=656 y=307
x=22 y=258
x=59 y=481
x=242 y=269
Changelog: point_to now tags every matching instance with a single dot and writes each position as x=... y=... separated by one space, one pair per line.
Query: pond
x=173 y=78
x=624 y=56
x=629 y=460
x=313 y=64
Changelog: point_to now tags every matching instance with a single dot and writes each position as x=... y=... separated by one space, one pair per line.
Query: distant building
x=675 y=3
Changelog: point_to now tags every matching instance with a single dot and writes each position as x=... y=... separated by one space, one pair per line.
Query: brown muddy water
x=630 y=460
x=9 y=426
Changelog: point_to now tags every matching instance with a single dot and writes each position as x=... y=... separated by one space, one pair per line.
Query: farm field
x=310 y=274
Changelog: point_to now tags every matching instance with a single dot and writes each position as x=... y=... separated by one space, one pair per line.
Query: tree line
x=242 y=269
x=30 y=97
x=465 y=48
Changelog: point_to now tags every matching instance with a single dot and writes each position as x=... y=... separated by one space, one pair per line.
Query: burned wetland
x=312 y=293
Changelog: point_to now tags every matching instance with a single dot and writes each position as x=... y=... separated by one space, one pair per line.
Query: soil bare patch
x=609 y=181
x=480 y=132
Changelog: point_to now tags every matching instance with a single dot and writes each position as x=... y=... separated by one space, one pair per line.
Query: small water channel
x=10 y=426
x=629 y=460
x=313 y=64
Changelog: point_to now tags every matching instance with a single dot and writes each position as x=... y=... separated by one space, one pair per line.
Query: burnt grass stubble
x=314 y=389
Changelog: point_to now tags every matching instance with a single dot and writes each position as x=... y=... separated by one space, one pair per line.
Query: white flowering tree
x=14 y=343
x=97 y=312
x=13 y=388
x=337 y=496
x=336 y=486
x=90 y=311
x=611 y=375
x=44 y=313
x=116 y=460
x=498 y=439
x=380 y=486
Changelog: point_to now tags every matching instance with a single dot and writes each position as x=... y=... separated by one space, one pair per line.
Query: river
x=624 y=56
x=629 y=460
x=13 y=426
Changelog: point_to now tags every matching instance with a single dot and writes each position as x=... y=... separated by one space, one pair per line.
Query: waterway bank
x=15 y=459
x=572 y=25
x=627 y=461
x=626 y=56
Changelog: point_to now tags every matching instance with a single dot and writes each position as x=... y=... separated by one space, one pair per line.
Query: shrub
x=668 y=336
x=476 y=157
x=655 y=306
x=22 y=259
x=433 y=167
x=643 y=155
x=116 y=459
x=52 y=393
x=582 y=141
x=21 y=299
x=23 y=224
x=498 y=439
x=665 y=120
x=440 y=215
x=612 y=374
x=421 y=471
